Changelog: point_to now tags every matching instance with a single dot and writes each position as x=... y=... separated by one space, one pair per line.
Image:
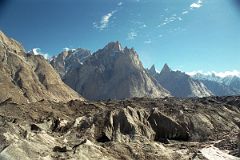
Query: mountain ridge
x=113 y=72
x=27 y=77
x=220 y=86
x=179 y=84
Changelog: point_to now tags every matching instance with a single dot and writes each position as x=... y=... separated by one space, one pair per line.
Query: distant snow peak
x=66 y=49
x=215 y=74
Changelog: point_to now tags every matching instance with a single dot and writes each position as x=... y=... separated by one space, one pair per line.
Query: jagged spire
x=166 y=68
x=114 y=46
x=152 y=69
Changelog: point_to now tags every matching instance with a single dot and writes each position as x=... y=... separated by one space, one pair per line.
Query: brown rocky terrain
x=138 y=128
x=27 y=77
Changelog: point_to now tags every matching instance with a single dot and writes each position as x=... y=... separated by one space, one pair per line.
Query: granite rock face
x=69 y=59
x=113 y=73
x=28 y=78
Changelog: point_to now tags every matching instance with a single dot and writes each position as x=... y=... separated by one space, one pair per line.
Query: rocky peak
x=114 y=46
x=10 y=44
x=29 y=77
x=166 y=69
x=113 y=73
x=69 y=59
x=80 y=52
x=152 y=70
x=180 y=84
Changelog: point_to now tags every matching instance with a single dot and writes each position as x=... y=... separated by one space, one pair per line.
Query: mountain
x=178 y=83
x=68 y=59
x=220 y=86
x=113 y=73
x=28 y=77
x=233 y=82
x=218 y=89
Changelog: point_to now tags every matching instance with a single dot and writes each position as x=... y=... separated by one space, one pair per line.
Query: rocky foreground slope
x=138 y=128
x=27 y=77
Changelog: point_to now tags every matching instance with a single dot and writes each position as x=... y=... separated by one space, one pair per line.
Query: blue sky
x=189 y=35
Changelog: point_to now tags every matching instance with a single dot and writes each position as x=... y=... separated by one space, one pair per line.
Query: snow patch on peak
x=234 y=73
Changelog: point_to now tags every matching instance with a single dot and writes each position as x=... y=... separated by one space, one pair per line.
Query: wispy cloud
x=170 y=19
x=197 y=4
x=185 y=12
x=37 y=51
x=179 y=16
x=104 y=21
x=132 y=35
x=149 y=41
x=120 y=3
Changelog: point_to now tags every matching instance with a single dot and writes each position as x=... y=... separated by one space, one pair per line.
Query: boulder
x=166 y=127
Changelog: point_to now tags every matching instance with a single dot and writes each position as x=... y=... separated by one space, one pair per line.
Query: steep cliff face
x=179 y=84
x=69 y=59
x=28 y=78
x=113 y=73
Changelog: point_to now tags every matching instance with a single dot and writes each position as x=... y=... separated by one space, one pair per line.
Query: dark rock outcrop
x=167 y=128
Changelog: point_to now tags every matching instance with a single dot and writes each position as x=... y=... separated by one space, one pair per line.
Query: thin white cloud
x=219 y=74
x=185 y=12
x=180 y=18
x=148 y=41
x=143 y=26
x=132 y=35
x=120 y=3
x=104 y=21
x=168 y=20
x=197 y=4
x=37 y=51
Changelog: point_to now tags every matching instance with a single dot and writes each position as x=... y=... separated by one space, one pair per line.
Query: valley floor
x=138 y=128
